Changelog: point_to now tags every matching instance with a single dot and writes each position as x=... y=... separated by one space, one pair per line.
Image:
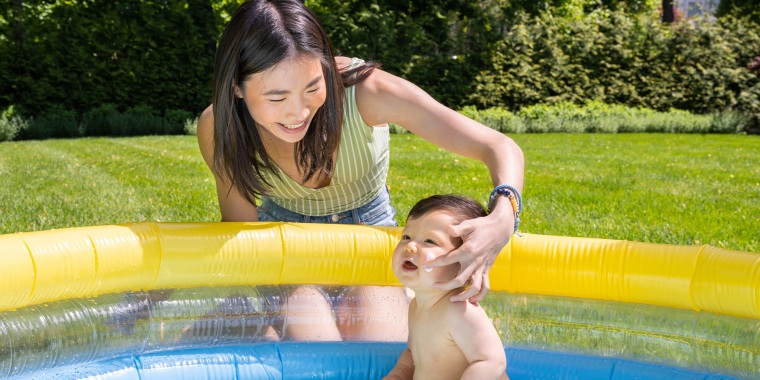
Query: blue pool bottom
x=346 y=360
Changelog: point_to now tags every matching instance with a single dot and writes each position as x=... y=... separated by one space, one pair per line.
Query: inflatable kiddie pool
x=181 y=300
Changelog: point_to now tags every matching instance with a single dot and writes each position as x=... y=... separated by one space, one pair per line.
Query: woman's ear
x=237 y=91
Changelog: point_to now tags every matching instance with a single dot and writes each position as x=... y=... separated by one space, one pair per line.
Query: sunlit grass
x=66 y=183
x=662 y=188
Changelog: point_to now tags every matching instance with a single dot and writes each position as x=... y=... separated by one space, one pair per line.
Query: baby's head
x=458 y=207
x=426 y=236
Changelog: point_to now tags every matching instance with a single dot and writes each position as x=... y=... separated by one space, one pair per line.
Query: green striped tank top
x=360 y=170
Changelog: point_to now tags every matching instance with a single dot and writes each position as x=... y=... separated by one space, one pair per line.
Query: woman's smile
x=284 y=99
x=294 y=126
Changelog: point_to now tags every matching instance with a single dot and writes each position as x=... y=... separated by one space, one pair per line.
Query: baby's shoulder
x=455 y=312
x=449 y=309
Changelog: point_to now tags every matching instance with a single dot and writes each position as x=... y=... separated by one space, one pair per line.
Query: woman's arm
x=233 y=206
x=384 y=98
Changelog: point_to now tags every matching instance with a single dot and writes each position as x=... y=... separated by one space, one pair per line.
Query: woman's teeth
x=289 y=126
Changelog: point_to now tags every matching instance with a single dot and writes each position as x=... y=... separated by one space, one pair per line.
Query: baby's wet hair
x=459 y=207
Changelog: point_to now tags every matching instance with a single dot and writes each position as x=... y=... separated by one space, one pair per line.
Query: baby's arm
x=404 y=369
x=475 y=335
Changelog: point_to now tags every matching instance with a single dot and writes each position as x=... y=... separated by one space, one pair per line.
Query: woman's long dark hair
x=261 y=34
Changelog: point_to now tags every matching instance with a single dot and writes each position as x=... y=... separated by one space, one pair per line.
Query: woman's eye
x=276 y=100
x=313 y=91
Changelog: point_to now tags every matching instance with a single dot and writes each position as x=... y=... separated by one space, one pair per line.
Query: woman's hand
x=385 y=98
x=483 y=239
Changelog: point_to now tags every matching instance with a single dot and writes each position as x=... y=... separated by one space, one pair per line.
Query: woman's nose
x=298 y=110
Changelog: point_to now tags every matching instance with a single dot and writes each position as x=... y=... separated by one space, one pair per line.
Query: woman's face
x=283 y=99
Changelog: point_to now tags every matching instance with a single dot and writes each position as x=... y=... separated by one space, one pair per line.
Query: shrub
x=496 y=118
x=106 y=120
x=97 y=121
x=56 y=122
x=177 y=120
x=191 y=126
x=749 y=104
x=77 y=53
x=560 y=117
x=729 y=122
x=11 y=124
x=598 y=117
x=607 y=118
x=396 y=129
x=139 y=121
x=678 y=121
x=619 y=58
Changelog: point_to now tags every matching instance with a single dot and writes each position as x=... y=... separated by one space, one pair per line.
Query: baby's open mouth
x=409 y=265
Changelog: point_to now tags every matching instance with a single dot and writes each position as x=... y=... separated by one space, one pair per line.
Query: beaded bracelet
x=514 y=198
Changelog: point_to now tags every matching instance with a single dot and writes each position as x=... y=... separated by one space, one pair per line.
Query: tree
x=668 y=15
x=749 y=8
x=81 y=54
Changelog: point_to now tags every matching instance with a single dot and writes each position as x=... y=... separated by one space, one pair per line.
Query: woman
x=307 y=133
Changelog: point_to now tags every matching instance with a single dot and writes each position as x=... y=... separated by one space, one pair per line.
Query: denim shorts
x=378 y=212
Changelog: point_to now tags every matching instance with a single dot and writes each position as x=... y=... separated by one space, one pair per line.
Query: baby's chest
x=433 y=351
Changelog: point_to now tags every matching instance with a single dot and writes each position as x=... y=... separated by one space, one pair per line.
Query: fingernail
x=428 y=256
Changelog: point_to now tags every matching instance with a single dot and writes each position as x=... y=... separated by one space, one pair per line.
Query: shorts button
x=335 y=218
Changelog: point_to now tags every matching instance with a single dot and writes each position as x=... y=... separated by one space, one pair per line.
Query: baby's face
x=423 y=239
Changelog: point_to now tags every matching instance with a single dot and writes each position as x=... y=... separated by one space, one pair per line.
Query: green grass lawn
x=662 y=188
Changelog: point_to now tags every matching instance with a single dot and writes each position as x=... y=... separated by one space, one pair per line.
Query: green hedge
x=81 y=54
x=563 y=117
x=618 y=58
x=597 y=117
x=105 y=120
x=73 y=62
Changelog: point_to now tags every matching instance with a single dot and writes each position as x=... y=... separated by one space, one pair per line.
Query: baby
x=447 y=340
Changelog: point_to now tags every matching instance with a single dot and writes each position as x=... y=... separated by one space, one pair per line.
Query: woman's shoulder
x=343 y=62
x=205 y=128
x=206 y=120
x=207 y=115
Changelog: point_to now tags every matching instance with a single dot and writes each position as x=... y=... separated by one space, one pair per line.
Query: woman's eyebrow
x=282 y=92
x=314 y=81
